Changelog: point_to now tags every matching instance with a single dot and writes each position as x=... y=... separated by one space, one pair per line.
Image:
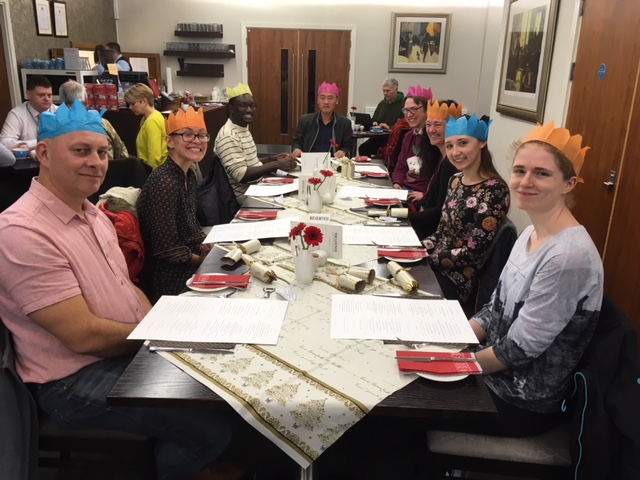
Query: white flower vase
x=314 y=201
x=305 y=268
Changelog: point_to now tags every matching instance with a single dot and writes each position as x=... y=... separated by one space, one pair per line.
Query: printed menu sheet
x=429 y=321
x=213 y=320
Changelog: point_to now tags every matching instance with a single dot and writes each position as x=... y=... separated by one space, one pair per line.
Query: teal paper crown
x=471 y=127
x=68 y=120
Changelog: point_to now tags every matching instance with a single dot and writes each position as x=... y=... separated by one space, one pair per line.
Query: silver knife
x=436 y=359
x=189 y=350
x=419 y=296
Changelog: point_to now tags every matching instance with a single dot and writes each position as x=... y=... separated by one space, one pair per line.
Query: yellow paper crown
x=560 y=138
x=240 y=89
x=189 y=119
x=442 y=111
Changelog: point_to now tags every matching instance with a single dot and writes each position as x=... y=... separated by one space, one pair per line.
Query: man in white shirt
x=21 y=126
x=121 y=61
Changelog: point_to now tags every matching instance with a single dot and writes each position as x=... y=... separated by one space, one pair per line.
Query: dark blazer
x=429 y=209
x=308 y=131
x=606 y=423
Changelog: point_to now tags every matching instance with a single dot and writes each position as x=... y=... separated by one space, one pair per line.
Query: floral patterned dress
x=470 y=219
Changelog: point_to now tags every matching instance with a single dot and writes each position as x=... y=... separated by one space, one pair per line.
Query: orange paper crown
x=189 y=119
x=560 y=138
x=442 y=111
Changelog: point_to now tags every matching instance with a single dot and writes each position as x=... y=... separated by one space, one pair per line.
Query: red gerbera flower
x=334 y=143
x=313 y=236
x=326 y=173
x=315 y=181
x=297 y=230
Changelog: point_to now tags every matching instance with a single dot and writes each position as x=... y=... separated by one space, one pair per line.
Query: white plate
x=206 y=290
x=404 y=260
x=441 y=378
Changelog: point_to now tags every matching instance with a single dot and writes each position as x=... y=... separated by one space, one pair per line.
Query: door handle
x=613 y=176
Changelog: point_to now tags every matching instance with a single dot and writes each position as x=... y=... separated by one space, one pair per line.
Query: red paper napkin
x=445 y=367
x=278 y=180
x=402 y=252
x=258 y=215
x=382 y=201
x=375 y=174
x=202 y=280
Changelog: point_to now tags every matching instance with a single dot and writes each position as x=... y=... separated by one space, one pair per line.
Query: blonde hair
x=139 y=92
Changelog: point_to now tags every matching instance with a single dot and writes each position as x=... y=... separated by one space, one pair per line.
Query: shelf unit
x=182 y=33
x=190 y=54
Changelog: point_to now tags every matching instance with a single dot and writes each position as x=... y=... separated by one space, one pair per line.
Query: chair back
x=391 y=151
x=18 y=417
x=217 y=203
x=494 y=261
x=126 y=172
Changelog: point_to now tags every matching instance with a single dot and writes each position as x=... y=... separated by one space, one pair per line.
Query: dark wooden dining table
x=152 y=381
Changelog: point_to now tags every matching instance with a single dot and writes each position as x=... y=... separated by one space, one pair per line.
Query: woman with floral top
x=477 y=200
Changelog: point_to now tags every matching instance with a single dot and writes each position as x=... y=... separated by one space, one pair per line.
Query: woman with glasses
x=415 y=167
x=476 y=202
x=426 y=206
x=150 y=142
x=167 y=208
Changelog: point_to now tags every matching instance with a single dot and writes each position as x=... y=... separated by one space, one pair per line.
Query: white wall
x=146 y=25
x=473 y=72
x=505 y=130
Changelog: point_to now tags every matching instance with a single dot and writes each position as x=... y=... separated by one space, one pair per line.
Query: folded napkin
x=278 y=180
x=375 y=174
x=382 y=201
x=257 y=215
x=203 y=280
x=446 y=366
x=402 y=252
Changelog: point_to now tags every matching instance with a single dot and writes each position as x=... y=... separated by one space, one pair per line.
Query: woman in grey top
x=546 y=305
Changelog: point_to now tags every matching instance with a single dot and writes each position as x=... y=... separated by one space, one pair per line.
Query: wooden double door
x=285 y=68
x=605 y=107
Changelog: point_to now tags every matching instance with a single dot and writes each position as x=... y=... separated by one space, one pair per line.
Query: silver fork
x=228 y=294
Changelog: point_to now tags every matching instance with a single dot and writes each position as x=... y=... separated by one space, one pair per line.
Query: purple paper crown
x=418 y=91
x=329 y=88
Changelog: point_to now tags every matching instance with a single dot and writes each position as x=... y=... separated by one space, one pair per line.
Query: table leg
x=308 y=473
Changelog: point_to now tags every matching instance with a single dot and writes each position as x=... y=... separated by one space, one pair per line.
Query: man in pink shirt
x=66 y=297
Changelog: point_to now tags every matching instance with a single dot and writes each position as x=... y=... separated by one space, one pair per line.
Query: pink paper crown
x=420 y=92
x=329 y=88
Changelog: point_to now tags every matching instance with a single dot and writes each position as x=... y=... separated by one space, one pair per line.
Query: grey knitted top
x=541 y=317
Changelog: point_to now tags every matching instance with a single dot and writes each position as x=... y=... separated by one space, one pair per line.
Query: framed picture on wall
x=60 y=19
x=526 y=59
x=42 y=10
x=419 y=42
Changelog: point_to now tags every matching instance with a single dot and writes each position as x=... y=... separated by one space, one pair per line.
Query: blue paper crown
x=68 y=120
x=471 y=127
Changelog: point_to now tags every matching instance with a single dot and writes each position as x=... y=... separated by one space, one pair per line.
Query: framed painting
x=526 y=59
x=42 y=10
x=60 y=19
x=419 y=42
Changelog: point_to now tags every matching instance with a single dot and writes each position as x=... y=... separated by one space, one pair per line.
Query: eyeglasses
x=245 y=106
x=190 y=137
x=412 y=111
